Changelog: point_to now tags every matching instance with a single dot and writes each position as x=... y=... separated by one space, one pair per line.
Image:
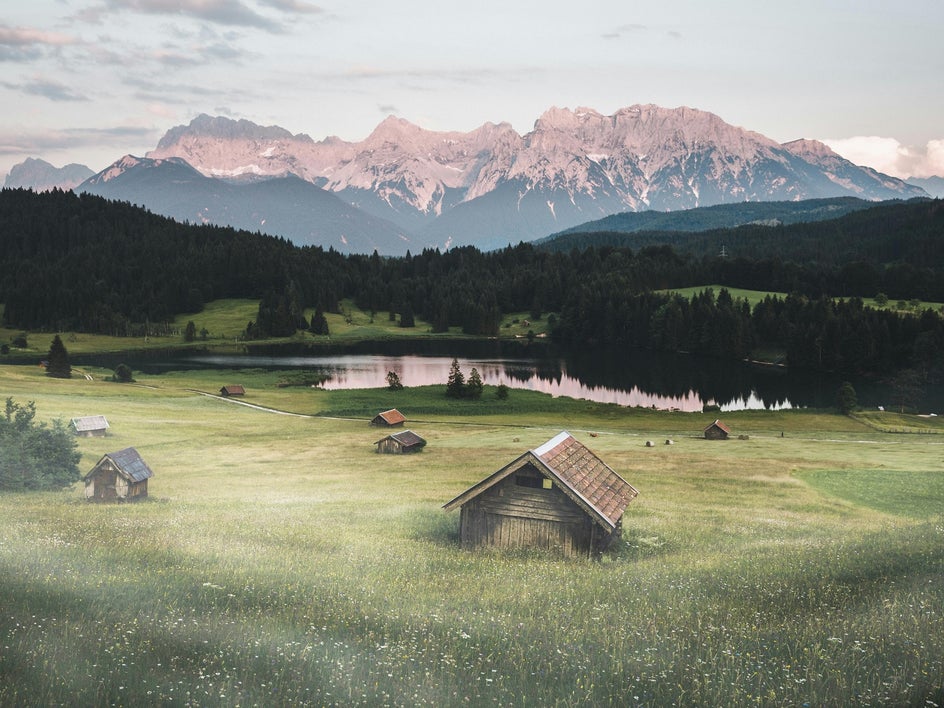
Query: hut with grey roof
x=90 y=426
x=118 y=476
x=559 y=497
x=401 y=443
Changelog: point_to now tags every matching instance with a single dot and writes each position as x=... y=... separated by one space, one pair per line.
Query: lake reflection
x=557 y=377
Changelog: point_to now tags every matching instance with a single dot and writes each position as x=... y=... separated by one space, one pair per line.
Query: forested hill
x=720 y=216
x=882 y=235
x=81 y=263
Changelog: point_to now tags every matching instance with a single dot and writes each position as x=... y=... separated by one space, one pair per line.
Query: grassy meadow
x=755 y=296
x=280 y=561
x=221 y=326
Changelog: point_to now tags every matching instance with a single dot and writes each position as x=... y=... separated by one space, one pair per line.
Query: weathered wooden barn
x=559 y=497
x=402 y=443
x=118 y=476
x=388 y=419
x=232 y=390
x=90 y=426
x=717 y=431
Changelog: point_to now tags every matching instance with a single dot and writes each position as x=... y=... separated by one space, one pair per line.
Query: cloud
x=40 y=142
x=53 y=90
x=891 y=157
x=223 y=12
x=23 y=44
x=24 y=36
x=294 y=6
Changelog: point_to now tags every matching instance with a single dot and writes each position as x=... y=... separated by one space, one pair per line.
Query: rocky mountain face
x=492 y=186
x=40 y=176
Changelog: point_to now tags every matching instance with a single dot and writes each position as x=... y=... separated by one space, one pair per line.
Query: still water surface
x=635 y=379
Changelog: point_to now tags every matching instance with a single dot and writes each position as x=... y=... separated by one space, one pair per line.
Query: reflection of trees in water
x=677 y=375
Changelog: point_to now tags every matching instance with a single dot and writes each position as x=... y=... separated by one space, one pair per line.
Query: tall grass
x=279 y=560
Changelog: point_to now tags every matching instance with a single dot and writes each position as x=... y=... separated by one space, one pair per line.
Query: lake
x=626 y=378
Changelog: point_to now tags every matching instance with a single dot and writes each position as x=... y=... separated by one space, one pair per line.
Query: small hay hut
x=232 y=390
x=118 y=476
x=402 y=443
x=388 y=419
x=717 y=431
x=90 y=426
x=558 y=497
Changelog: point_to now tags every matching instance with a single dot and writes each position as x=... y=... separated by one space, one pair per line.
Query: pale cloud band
x=890 y=156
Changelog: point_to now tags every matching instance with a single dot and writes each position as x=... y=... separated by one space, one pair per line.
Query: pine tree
x=57 y=364
x=455 y=384
x=473 y=388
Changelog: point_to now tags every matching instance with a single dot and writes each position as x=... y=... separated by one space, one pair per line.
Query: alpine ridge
x=491 y=186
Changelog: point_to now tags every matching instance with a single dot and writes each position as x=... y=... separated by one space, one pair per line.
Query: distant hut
x=717 y=431
x=232 y=390
x=559 y=496
x=91 y=426
x=388 y=419
x=402 y=443
x=121 y=476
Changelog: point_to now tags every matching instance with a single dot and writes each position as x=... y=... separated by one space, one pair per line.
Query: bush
x=35 y=456
x=122 y=374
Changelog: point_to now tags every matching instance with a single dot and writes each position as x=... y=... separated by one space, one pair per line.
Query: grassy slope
x=279 y=559
x=755 y=296
x=226 y=320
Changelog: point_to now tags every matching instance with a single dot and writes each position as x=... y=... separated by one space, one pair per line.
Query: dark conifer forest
x=81 y=263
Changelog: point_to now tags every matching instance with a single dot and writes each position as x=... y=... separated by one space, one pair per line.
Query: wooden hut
x=401 y=443
x=121 y=476
x=559 y=497
x=717 y=431
x=89 y=426
x=388 y=419
x=232 y=390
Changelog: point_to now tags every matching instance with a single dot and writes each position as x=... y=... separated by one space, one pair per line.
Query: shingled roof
x=391 y=417
x=583 y=476
x=129 y=463
x=407 y=438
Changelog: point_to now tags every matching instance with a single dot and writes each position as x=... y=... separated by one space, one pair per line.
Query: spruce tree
x=57 y=364
x=474 y=386
x=455 y=384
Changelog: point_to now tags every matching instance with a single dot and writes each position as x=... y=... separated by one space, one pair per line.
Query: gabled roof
x=581 y=475
x=89 y=422
x=407 y=438
x=720 y=426
x=233 y=390
x=392 y=417
x=128 y=462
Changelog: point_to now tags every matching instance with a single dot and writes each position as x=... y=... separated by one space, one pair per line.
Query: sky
x=89 y=81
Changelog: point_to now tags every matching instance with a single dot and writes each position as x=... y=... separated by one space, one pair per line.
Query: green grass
x=755 y=296
x=279 y=560
x=225 y=323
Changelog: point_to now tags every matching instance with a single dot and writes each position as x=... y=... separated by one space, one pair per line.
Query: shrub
x=35 y=456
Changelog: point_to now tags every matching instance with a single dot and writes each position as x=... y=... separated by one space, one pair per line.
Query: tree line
x=82 y=263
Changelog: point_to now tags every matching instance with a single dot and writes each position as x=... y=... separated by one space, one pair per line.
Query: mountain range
x=404 y=187
x=41 y=176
